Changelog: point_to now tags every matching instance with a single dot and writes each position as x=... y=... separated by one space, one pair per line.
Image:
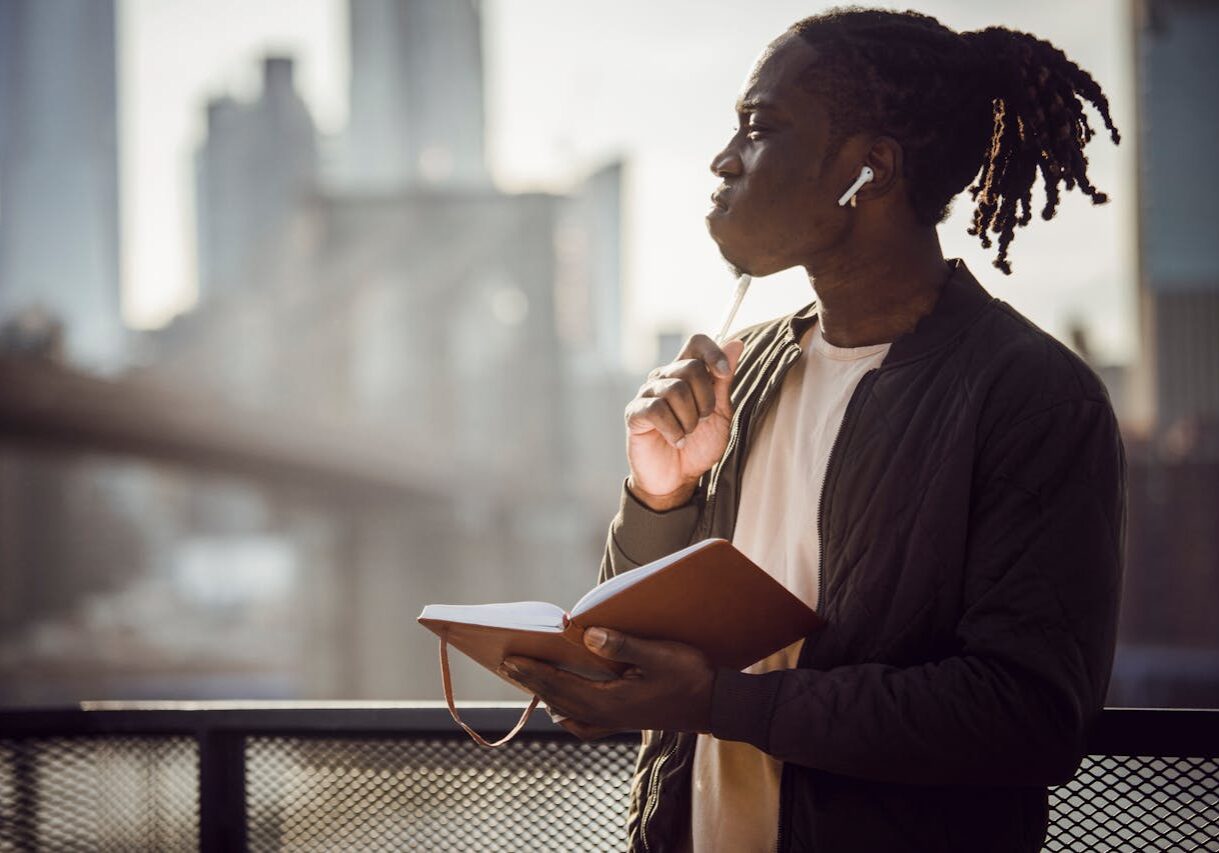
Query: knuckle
x=650 y=410
x=654 y=387
x=695 y=345
x=672 y=369
x=651 y=407
x=641 y=406
x=677 y=388
x=690 y=370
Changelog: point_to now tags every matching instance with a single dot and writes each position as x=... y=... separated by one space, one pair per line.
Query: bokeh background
x=313 y=312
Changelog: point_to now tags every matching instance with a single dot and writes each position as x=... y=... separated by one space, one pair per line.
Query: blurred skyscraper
x=393 y=289
x=258 y=164
x=402 y=292
x=588 y=249
x=1168 y=637
x=59 y=212
x=1178 y=66
x=416 y=95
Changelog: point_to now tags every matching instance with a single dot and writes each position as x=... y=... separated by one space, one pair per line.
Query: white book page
x=523 y=615
x=611 y=587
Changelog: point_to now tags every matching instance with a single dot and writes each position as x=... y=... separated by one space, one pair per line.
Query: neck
x=874 y=297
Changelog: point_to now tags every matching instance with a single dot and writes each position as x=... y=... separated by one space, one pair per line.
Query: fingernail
x=507 y=668
x=680 y=443
x=595 y=637
x=721 y=367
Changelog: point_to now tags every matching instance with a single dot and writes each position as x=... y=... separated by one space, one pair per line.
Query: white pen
x=742 y=284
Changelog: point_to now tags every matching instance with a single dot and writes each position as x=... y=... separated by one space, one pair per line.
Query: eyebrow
x=754 y=104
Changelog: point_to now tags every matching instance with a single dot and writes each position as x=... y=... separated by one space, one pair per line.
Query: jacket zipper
x=650 y=807
x=782 y=798
x=829 y=461
x=708 y=513
x=733 y=433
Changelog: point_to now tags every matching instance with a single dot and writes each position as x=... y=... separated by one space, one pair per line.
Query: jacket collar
x=960 y=301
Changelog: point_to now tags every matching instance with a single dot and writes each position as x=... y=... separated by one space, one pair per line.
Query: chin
x=738 y=266
x=737 y=251
x=716 y=227
x=738 y=261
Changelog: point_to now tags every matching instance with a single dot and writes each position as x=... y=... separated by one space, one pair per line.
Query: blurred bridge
x=382 y=522
x=45 y=405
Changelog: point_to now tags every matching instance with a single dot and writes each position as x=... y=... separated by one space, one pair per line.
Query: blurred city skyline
x=357 y=308
x=651 y=83
x=376 y=330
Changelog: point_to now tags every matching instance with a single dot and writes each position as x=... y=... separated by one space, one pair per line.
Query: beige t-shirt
x=735 y=802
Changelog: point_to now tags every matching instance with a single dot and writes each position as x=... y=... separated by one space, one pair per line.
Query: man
x=938 y=477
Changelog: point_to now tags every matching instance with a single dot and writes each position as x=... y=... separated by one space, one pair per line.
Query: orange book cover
x=708 y=595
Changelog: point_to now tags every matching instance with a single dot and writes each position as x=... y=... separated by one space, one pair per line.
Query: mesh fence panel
x=436 y=794
x=1136 y=804
x=439 y=793
x=99 y=794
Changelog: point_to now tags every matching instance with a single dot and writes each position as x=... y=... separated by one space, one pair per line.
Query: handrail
x=264 y=717
x=1118 y=731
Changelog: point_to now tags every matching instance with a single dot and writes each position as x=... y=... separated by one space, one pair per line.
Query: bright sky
x=570 y=85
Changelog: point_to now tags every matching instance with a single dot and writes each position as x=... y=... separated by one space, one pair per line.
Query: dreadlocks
x=996 y=105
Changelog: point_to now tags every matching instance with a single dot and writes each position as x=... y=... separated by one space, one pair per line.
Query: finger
x=528 y=673
x=733 y=350
x=680 y=397
x=723 y=385
x=695 y=374
x=708 y=352
x=645 y=414
x=618 y=646
x=558 y=688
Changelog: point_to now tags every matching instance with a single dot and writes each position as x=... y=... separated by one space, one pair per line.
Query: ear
x=885 y=157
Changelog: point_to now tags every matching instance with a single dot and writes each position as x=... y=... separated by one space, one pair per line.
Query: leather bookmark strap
x=447 y=680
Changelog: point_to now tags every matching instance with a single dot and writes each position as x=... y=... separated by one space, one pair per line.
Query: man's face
x=776 y=205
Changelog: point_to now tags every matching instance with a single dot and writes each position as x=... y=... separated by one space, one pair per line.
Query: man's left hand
x=667 y=686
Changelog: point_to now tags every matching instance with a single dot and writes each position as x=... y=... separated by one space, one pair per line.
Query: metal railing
x=400 y=776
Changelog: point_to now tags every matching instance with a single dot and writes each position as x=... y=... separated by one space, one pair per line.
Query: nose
x=727 y=163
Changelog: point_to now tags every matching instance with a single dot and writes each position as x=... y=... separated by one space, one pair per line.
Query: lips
x=720 y=198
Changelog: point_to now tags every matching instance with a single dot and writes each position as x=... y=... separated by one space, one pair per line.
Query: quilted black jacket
x=972 y=522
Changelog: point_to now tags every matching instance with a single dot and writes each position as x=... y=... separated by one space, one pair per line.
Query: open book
x=708 y=595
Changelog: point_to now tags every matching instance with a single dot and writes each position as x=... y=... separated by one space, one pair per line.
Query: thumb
x=723 y=384
x=613 y=645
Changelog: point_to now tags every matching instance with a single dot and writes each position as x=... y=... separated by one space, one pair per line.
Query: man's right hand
x=677 y=425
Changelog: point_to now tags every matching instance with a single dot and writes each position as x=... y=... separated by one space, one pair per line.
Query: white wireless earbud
x=865 y=174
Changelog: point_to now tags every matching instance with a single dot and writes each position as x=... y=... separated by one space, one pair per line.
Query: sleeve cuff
x=741 y=706
x=641 y=535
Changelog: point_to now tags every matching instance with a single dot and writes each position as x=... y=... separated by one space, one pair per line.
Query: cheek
x=780 y=182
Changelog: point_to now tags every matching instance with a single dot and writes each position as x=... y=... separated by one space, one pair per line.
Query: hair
x=996 y=105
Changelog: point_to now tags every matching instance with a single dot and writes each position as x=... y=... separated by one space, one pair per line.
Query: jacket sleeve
x=638 y=535
x=1034 y=643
